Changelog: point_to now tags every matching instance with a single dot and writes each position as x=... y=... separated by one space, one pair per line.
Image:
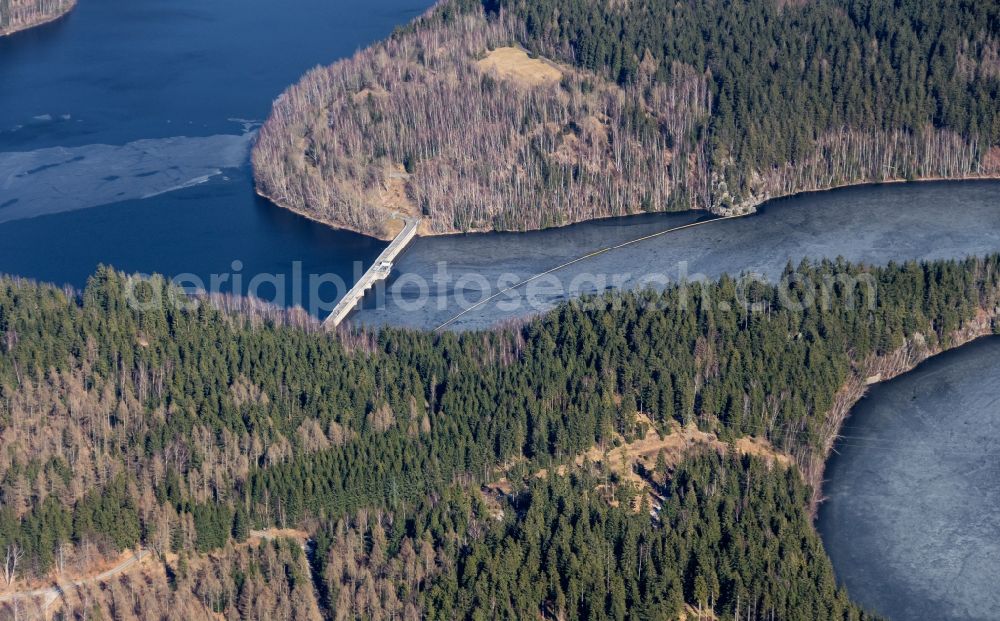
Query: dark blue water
x=161 y=68
x=105 y=113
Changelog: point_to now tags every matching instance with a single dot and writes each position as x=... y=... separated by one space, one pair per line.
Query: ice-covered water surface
x=58 y=179
x=911 y=518
x=440 y=277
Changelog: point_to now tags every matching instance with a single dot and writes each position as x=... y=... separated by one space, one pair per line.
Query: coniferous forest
x=625 y=107
x=646 y=455
x=418 y=475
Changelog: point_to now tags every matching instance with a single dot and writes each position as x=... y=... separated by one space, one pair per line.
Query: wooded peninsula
x=655 y=453
x=16 y=15
x=517 y=114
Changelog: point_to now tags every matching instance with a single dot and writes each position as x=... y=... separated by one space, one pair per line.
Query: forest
x=183 y=430
x=18 y=15
x=649 y=106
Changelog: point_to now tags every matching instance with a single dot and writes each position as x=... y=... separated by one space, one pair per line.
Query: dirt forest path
x=49 y=594
x=45 y=597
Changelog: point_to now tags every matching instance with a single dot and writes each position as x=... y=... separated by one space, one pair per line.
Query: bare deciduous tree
x=416 y=124
x=13 y=556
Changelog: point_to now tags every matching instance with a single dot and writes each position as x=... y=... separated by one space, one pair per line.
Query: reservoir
x=125 y=130
x=124 y=138
x=440 y=278
x=911 y=518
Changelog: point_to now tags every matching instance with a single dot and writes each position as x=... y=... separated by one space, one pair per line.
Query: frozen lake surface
x=438 y=278
x=911 y=519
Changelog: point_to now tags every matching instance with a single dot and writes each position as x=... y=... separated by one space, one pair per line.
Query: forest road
x=51 y=593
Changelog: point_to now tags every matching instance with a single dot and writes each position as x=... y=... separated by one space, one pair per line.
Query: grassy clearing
x=514 y=64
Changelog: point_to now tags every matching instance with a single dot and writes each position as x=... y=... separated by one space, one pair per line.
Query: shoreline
x=749 y=212
x=812 y=465
x=877 y=371
x=317 y=219
x=893 y=181
x=47 y=20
